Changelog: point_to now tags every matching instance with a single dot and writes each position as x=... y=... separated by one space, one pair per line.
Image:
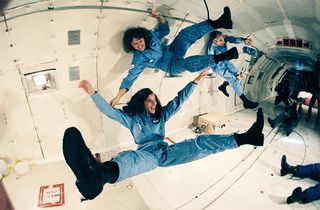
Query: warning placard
x=51 y=195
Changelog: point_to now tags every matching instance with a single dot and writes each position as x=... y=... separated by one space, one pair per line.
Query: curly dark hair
x=138 y=33
x=136 y=103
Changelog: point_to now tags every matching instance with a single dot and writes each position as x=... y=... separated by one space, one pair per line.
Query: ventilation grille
x=74 y=37
x=74 y=73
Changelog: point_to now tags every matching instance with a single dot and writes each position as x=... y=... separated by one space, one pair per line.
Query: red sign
x=51 y=195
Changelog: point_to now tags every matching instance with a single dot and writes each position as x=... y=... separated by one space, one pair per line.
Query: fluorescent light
x=40 y=80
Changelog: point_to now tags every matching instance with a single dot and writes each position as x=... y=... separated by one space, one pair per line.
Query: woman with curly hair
x=145 y=118
x=149 y=51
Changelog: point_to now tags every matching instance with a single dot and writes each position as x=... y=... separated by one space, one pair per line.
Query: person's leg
x=237 y=85
x=197 y=148
x=199 y=62
x=279 y=119
x=311 y=194
x=306 y=196
x=204 y=145
x=91 y=175
x=189 y=35
x=132 y=163
x=289 y=127
x=311 y=171
x=311 y=103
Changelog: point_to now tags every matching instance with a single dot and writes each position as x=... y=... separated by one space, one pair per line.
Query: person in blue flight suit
x=311 y=171
x=217 y=45
x=145 y=117
x=149 y=51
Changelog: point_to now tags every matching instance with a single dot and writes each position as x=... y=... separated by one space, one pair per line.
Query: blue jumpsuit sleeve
x=232 y=39
x=210 y=50
x=174 y=105
x=162 y=30
x=116 y=114
x=132 y=76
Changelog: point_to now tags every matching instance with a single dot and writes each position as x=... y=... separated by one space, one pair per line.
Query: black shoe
x=296 y=196
x=286 y=168
x=224 y=21
x=82 y=163
x=247 y=103
x=250 y=104
x=223 y=88
x=260 y=120
x=254 y=135
x=228 y=55
x=271 y=123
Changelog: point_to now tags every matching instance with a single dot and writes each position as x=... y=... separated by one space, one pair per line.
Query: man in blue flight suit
x=149 y=51
x=217 y=45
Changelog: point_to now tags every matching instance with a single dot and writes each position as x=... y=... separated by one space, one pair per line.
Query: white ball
x=4 y=170
x=21 y=168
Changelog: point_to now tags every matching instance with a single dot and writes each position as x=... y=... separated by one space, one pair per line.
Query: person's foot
x=296 y=196
x=224 y=21
x=250 y=104
x=286 y=168
x=254 y=135
x=82 y=163
x=247 y=103
x=223 y=88
x=271 y=123
x=260 y=120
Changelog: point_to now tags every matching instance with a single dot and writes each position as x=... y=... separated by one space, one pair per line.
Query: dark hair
x=215 y=34
x=136 y=103
x=138 y=33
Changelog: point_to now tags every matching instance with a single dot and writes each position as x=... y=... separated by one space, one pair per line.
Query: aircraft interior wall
x=36 y=121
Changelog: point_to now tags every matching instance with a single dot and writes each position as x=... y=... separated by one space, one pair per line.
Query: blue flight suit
x=170 y=58
x=149 y=134
x=225 y=68
x=311 y=171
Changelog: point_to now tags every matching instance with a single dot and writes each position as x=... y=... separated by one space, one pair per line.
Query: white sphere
x=4 y=170
x=21 y=168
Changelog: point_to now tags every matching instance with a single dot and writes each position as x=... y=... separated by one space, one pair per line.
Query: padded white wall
x=38 y=39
